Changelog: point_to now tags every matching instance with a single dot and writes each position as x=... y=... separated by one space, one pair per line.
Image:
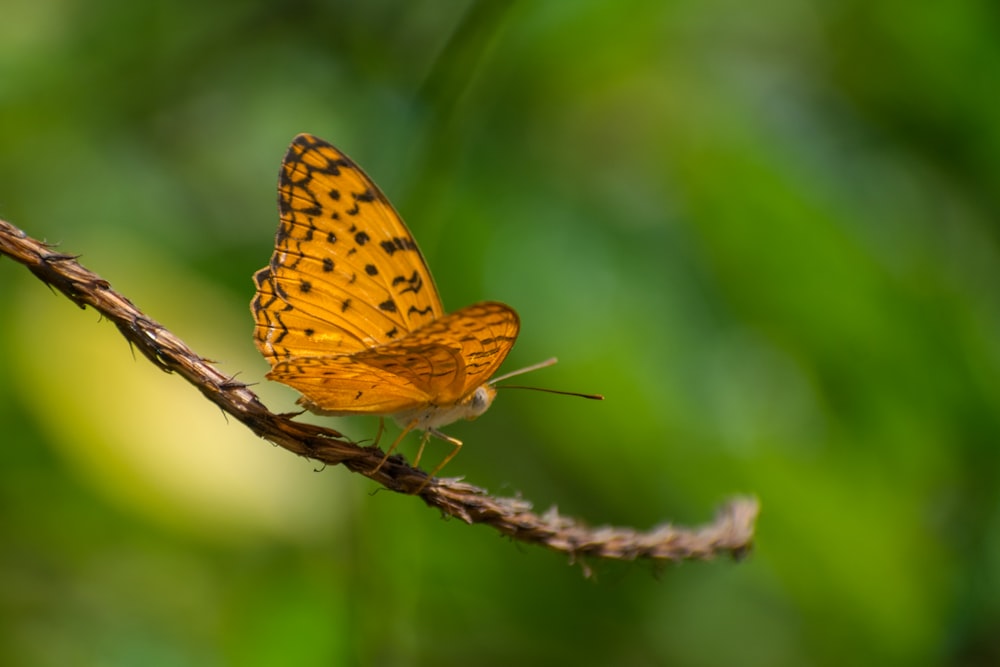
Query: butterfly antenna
x=528 y=369
x=595 y=397
x=535 y=367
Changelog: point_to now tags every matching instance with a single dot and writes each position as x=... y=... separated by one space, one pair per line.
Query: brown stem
x=730 y=533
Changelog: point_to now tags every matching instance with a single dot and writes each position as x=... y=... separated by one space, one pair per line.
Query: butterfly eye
x=481 y=400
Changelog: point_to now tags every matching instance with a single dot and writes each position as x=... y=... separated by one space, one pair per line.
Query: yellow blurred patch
x=148 y=440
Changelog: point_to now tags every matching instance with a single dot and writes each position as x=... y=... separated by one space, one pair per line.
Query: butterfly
x=348 y=315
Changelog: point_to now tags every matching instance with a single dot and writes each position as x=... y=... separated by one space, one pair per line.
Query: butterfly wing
x=346 y=273
x=436 y=366
x=480 y=336
x=340 y=385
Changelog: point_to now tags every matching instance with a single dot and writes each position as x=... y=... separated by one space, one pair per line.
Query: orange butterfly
x=348 y=315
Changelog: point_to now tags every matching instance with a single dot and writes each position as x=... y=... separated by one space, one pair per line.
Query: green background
x=767 y=233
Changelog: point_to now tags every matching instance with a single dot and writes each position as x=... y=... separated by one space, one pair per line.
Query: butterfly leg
x=420 y=452
x=409 y=427
x=381 y=430
x=454 y=441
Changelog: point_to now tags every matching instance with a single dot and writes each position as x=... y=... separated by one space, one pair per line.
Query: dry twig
x=730 y=533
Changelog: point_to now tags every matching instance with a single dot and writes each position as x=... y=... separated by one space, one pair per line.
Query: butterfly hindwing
x=339 y=385
x=439 y=364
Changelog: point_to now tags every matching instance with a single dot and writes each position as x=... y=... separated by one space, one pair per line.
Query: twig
x=730 y=533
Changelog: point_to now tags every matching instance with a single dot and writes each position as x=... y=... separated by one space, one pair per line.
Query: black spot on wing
x=262 y=276
x=413 y=310
x=398 y=243
x=413 y=284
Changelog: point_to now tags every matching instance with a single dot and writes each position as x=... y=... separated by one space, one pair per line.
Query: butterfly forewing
x=346 y=273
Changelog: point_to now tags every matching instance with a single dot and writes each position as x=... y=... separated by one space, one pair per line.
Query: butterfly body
x=347 y=312
x=429 y=417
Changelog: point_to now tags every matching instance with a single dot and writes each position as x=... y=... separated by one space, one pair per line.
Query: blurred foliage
x=768 y=234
